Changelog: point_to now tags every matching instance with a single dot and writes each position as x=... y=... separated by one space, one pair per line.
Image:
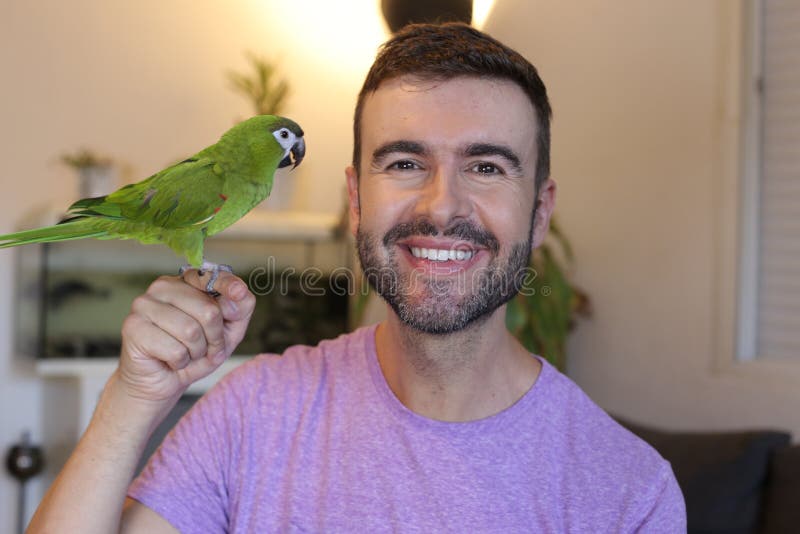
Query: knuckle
x=192 y=332
x=139 y=303
x=130 y=324
x=176 y=354
x=160 y=284
x=210 y=313
x=216 y=342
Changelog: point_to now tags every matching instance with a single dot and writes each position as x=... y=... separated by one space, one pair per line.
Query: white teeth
x=441 y=254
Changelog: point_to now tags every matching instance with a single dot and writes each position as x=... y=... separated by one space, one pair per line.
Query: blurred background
x=653 y=138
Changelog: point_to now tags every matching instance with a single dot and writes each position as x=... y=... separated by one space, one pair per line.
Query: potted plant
x=542 y=316
x=96 y=174
x=266 y=93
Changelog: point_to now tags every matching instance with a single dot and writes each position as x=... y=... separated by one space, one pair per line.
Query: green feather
x=183 y=204
x=77 y=229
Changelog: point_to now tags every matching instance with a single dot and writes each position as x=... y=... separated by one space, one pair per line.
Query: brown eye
x=487 y=168
x=284 y=134
x=403 y=165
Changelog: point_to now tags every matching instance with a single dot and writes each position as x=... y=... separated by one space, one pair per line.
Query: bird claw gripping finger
x=213 y=269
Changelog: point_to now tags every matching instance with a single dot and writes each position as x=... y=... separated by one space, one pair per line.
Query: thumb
x=235 y=301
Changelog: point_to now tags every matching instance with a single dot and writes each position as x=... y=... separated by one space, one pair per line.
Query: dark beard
x=448 y=304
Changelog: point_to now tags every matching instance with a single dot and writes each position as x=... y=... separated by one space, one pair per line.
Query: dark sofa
x=733 y=482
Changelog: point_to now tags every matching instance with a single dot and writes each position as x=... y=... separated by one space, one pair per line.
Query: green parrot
x=185 y=203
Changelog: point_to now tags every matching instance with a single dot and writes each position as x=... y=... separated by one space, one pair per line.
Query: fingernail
x=220 y=357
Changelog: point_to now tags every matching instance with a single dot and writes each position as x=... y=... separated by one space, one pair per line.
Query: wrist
x=128 y=415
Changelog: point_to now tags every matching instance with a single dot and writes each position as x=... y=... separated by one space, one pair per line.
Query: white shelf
x=259 y=223
x=91 y=375
x=101 y=368
x=298 y=225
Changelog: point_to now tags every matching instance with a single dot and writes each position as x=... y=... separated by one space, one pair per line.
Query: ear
x=546 y=204
x=352 y=197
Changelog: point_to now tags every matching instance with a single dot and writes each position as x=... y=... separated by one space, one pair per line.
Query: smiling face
x=442 y=206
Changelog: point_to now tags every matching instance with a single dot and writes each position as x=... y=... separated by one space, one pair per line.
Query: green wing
x=186 y=194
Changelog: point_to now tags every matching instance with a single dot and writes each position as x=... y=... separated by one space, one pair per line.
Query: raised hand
x=177 y=334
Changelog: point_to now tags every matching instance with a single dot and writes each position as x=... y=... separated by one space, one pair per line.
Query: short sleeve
x=667 y=514
x=186 y=479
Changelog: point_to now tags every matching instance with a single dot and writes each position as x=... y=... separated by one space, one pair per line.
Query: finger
x=197 y=304
x=164 y=286
x=235 y=299
x=236 y=302
x=236 y=323
x=175 y=322
x=198 y=370
x=228 y=285
x=152 y=343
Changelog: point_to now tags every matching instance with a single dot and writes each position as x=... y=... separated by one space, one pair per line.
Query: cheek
x=508 y=217
x=384 y=206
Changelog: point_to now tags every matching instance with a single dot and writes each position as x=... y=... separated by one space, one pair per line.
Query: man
x=435 y=420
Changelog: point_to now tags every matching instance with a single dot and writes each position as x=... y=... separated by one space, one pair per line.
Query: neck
x=467 y=375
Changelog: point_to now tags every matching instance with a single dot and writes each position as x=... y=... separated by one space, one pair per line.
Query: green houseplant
x=96 y=174
x=266 y=92
x=543 y=314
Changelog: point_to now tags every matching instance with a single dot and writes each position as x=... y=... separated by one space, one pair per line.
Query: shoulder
x=305 y=357
x=592 y=429
x=603 y=454
x=300 y=367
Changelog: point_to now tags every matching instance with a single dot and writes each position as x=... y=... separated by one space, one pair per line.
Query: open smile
x=439 y=257
x=434 y=254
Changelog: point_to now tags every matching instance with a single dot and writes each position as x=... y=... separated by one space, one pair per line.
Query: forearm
x=88 y=494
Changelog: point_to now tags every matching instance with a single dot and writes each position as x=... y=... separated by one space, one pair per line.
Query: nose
x=444 y=197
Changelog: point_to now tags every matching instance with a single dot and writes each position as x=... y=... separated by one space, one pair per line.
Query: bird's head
x=290 y=137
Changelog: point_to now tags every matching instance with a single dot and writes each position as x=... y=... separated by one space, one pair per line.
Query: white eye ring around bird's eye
x=284 y=134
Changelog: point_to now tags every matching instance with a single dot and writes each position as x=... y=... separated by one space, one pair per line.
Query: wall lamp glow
x=398 y=13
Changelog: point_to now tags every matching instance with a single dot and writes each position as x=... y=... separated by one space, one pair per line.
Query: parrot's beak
x=296 y=154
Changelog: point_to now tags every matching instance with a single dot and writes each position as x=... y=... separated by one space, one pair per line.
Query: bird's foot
x=213 y=269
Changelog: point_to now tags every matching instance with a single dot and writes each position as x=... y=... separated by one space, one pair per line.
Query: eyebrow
x=489 y=149
x=408 y=147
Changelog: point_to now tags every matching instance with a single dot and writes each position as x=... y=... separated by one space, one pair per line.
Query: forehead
x=450 y=114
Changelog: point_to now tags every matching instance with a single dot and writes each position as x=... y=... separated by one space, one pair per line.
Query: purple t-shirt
x=315 y=441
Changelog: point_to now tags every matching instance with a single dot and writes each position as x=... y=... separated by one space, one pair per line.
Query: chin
x=440 y=316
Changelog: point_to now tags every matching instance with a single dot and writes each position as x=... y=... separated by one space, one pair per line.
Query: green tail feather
x=73 y=229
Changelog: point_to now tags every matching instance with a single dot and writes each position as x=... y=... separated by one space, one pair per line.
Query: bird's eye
x=284 y=134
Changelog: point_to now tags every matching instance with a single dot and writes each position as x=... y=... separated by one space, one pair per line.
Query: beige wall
x=144 y=82
x=645 y=153
x=639 y=91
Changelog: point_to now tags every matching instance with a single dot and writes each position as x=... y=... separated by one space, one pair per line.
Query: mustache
x=462 y=230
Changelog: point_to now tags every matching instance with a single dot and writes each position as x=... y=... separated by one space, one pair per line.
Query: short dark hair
x=445 y=51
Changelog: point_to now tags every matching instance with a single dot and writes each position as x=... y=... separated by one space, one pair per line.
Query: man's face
x=443 y=209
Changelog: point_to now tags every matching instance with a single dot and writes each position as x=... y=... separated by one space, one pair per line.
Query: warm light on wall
x=341 y=35
x=480 y=12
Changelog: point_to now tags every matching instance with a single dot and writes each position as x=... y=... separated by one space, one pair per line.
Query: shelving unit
x=299 y=238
